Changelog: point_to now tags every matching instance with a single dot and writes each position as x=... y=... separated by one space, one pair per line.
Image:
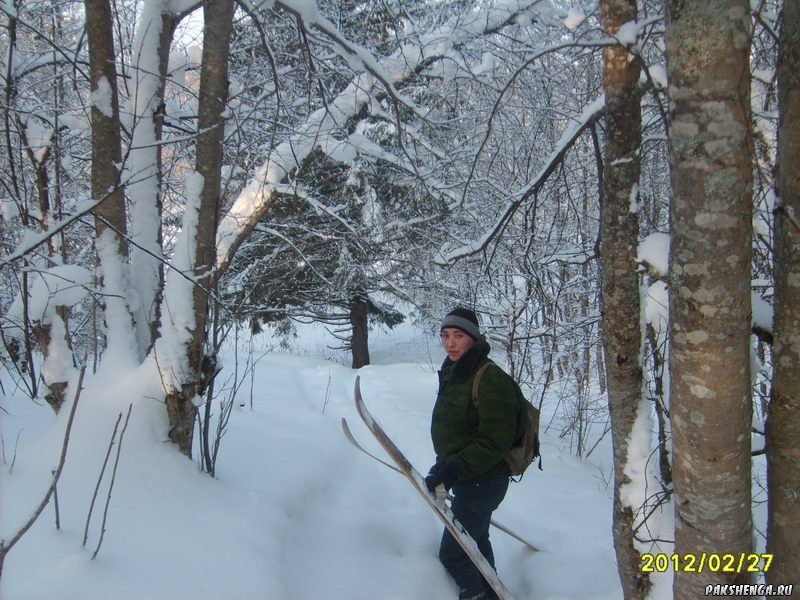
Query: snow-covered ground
x=295 y=513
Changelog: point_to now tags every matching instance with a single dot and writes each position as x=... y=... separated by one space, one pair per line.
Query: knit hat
x=463 y=319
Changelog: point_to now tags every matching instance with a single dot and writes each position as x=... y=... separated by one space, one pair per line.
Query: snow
x=178 y=318
x=656 y=303
x=762 y=312
x=295 y=512
x=62 y=285
x=658 y=74
x=574 y=19
x=654 y=250
x=101 y=97
x=116 y=313
x=628 y=33
x=38 y=138
x=633 y=199
x=140 y=173
x=8 y=209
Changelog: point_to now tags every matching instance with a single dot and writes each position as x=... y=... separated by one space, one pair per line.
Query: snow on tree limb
x=254 y=201
x=588 y=118
x=32 y=240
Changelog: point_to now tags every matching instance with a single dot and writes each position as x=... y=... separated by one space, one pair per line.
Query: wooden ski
x=437 y=505
x=496 y=524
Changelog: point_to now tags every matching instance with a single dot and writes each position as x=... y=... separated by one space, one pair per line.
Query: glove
x=442 y=473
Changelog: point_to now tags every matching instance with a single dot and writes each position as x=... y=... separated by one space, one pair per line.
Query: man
x=470 y=439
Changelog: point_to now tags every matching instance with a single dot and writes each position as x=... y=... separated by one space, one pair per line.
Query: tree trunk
x=708 y=43
x=110 y=216
x=218 y=19
x=143 y=169
x=359 y=312
x=54 y=348
x=106 y=145
x=52 y=336
x=783 y=423
x=620 y=282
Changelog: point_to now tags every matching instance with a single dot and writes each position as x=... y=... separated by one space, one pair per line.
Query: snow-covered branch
x=390 y=72
x=587 y=119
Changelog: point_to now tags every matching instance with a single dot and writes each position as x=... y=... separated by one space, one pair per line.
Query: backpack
x=526 y=449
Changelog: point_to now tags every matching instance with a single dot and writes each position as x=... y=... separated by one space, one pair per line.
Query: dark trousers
x=473 y=504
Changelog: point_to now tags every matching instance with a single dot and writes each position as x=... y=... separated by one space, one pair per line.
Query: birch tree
x=708 y=44
x=191 y=377
x=783 y=423
x=620 y=281
x=143 y=170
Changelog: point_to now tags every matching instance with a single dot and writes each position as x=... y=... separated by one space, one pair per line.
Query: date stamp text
x=706 y=562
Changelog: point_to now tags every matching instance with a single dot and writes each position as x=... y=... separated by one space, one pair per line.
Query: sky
x=295 y=511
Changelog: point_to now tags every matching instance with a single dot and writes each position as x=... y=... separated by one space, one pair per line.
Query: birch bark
x=218 y=19
x=708 y=43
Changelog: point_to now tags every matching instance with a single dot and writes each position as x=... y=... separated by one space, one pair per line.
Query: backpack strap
x=477 y=380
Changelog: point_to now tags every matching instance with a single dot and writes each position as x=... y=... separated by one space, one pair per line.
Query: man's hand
x=442 y=473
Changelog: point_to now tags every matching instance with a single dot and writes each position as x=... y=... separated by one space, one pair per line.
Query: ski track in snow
x=296 y=513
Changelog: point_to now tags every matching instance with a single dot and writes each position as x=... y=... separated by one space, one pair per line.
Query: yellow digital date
x=706 y=562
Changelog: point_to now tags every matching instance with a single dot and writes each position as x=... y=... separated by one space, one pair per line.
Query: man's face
x=455 y=342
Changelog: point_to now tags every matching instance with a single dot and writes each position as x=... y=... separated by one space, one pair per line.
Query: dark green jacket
x=477 y=437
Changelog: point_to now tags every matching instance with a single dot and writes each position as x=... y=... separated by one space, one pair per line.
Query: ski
x=496 y=524
x=351 y=438
x=437 y=504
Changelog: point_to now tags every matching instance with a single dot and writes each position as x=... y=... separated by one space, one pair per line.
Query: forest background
x=172 y=171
